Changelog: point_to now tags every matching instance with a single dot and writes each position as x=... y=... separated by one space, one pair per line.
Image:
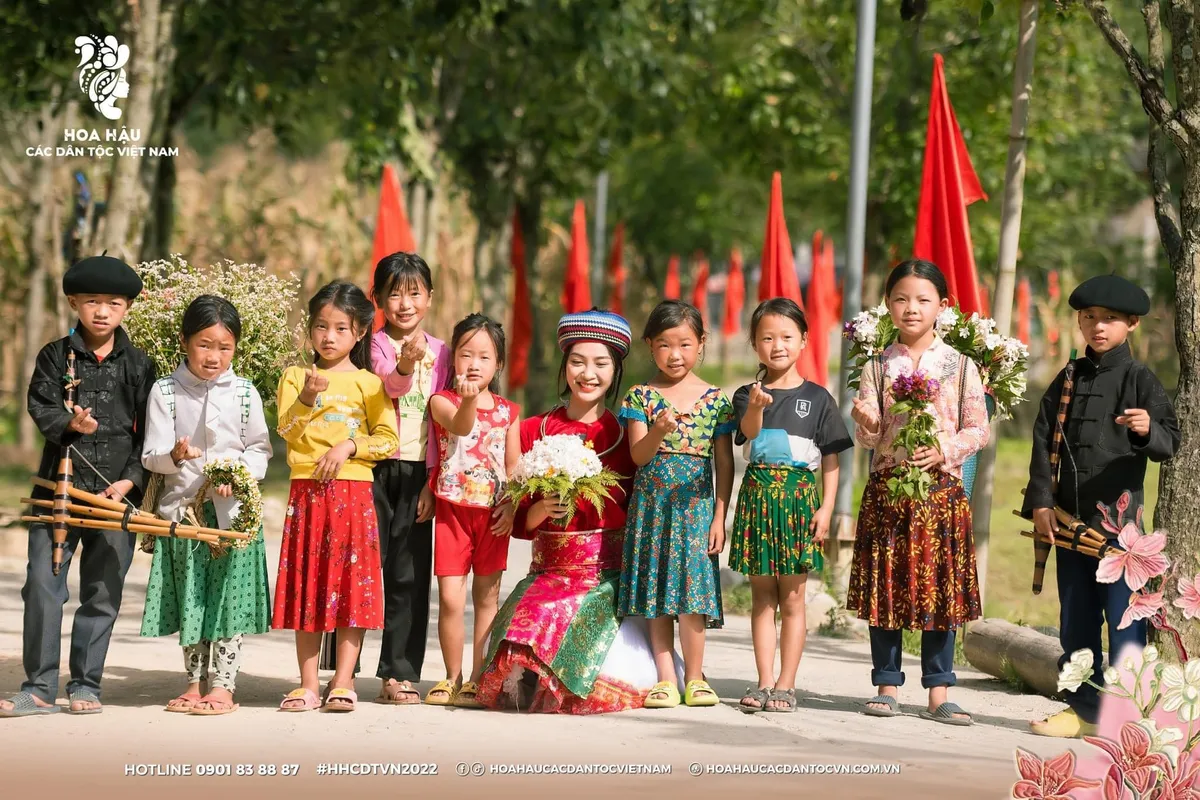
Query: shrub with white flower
x=565 y=467
x=268 y=344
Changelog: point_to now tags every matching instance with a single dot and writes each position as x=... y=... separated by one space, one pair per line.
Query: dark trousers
x=937 y=658
x=406 y=549
x=1084 y=606
x=103 y=562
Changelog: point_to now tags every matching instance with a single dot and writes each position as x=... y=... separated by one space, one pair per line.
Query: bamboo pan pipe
x=154 y=522
x=181 y=532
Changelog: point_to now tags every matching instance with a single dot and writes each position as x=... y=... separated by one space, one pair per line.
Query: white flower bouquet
x=565 y=467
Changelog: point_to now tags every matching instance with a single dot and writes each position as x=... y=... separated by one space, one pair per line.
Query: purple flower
x=915 y=387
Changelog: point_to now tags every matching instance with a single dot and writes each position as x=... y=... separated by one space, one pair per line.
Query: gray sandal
x=945 y=715
x=762 y=695
x=786 y=698
x=893 y=706
x=24 y=706
x=83 y=696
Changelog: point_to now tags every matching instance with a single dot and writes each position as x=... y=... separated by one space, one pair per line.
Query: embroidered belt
x=598 y=549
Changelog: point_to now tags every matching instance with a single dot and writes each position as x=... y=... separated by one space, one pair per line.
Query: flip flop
x=785 y=696
x=401 y=694
x=311 y=701
x=24 y=706
x=892 y=710
x=341 y=701
x=222 y=707
x=445 y=687
x=466 y=696
x=83 y=696
x=192 y=697
x=700 y=694
x=669 y=692
x=761 y=694
x=945 y=715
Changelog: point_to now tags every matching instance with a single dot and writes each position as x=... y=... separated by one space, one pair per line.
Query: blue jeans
x=937 y=658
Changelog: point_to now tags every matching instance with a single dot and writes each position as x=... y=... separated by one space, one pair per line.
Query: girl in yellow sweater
x=337 y=421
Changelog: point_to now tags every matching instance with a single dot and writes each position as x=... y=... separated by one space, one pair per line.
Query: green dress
x=205 y=597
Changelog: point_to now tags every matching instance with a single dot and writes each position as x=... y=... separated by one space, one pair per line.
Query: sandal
x=83 y=695
x=945 y=715
x=341 y=701
x=398 y=693
x=784 y=699
x=191 y=698
x=892 y=710
x=667 y=695
x=24 y=706
x=311 y=701
x=444 y=687
x=216 y=707
x=466 y=696
x=762 y=694
x=699 y=693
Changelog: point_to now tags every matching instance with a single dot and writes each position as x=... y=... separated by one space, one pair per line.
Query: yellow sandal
x=450 y=690
x=466 y=696
x=699 y=693
x=667 y=695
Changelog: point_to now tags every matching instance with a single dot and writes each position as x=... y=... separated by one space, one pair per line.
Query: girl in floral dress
x=678 y=426
x=338 y=422
x=914 y=559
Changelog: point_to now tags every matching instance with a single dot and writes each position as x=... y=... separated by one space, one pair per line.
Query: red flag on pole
x=735 y=295
x=835 y=286
x=700 y=289
x=948 y=185
x=616 y=270
x=671 y=287
x=820 y=311
x=1024 y=301
x=577 y=291
x=392 y=231
x=985 y=301
x=778 y=269
x=522 y=319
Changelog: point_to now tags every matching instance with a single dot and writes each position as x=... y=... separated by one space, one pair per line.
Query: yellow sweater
x=354 y=406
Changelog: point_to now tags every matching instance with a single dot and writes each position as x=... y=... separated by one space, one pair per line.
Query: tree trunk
x=38 y=245
x=161 y=221
x=416 y=210
x=529 y=210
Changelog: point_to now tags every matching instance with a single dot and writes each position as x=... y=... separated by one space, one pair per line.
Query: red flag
x=1024 y=301
x=1053 y=287
x=835 y=286
x=616 y=270
x=577 y=291
x=948 y=185
x=735 y=295
x=392 y=231
x=820 y=310
x=522 y=318
x=671 y=287
x=700 y=289
x=778 y=268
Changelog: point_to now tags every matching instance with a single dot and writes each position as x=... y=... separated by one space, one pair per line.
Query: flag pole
x=860 y=144
x=598 y=254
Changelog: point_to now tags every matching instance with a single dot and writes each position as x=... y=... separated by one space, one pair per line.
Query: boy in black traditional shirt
x=1119 y=418
x=105 y=436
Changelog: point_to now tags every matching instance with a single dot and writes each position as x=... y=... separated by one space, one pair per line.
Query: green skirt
x=200 y=596
x=770 y=527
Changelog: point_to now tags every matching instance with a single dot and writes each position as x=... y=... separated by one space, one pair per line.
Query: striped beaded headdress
x=595 y=326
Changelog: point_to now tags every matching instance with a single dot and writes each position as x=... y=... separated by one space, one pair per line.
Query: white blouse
x=210 y=412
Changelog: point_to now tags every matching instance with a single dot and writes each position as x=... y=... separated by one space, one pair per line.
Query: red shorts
x=463 y=541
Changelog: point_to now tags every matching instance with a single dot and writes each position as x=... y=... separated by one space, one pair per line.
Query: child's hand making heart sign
x=863 y=417
x=314 y=384
x=1137 y=420
x=665 y=422
x=183 y=451
x=83 y=422
x=760 y=398
x=468 y=390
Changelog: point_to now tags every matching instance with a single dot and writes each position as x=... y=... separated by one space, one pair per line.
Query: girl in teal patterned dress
x=678 y=426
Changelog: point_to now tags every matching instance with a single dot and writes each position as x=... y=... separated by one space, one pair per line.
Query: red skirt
x=329 y=569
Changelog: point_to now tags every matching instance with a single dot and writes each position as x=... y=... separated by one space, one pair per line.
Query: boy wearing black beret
x=1119 y=418
x=105 y=436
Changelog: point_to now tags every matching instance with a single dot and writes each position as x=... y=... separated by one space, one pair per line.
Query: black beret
x=102 y=275
x=1112 y=292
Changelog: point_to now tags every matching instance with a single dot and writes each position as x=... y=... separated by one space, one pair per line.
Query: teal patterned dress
x=666 y=569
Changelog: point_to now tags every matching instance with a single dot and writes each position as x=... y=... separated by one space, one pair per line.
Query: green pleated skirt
x=771 y=525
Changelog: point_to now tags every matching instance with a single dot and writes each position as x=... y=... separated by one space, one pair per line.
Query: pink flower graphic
x=1182 y=783
x=1114 y=784
x=1132 y=755
x=1141 y=559
x=1052 y=779
x=1142 y=605
x=1189 y=597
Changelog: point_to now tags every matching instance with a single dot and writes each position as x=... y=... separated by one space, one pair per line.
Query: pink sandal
x=189 y=697
x=311 y=701
x=341 y=701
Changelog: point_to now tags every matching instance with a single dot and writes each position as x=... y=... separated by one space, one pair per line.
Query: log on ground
x=1007 y=651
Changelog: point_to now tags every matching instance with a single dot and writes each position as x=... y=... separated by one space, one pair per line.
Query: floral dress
x=666 y=569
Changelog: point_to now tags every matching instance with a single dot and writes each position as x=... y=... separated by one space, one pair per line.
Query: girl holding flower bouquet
x=558 y=644
x=200 y=414
x=920 y=406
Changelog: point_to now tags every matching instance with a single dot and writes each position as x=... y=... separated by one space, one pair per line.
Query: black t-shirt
x=799 y=427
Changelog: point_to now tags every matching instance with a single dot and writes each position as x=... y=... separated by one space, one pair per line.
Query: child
x=794 y=428
x=1121 y=418
x=677 y=423
x=478 y=438
x=914 y=560
x=106 y=429
x=413 y=365
x=337 y=422
x=200 y=413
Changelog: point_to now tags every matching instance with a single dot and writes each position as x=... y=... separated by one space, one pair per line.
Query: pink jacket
x=383 y=364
